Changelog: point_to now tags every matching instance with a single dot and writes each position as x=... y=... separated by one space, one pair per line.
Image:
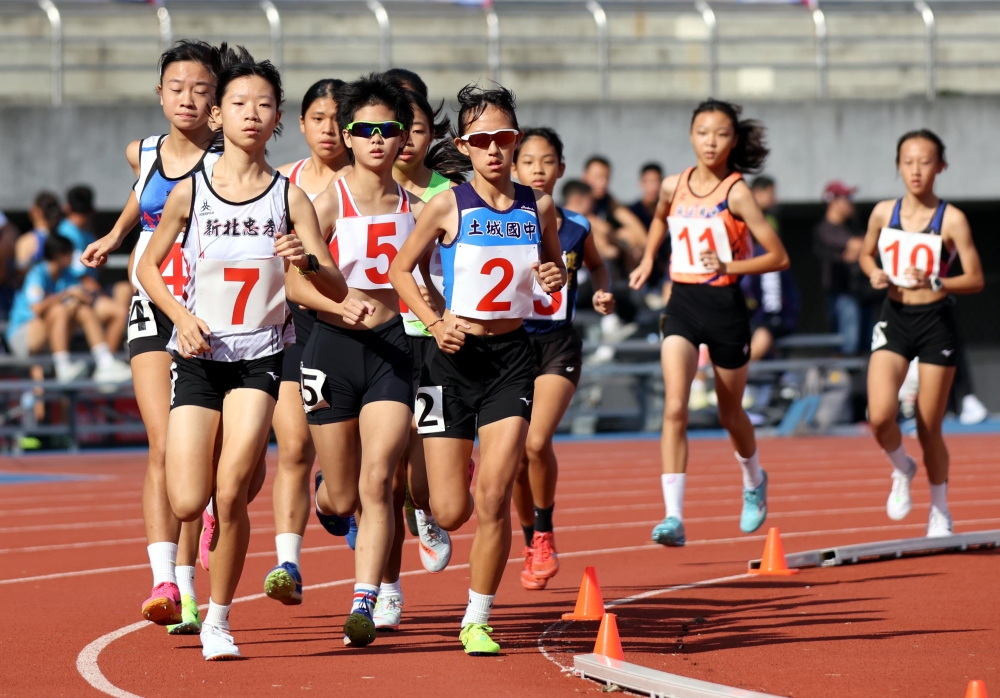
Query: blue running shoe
x=352 y=532
x=334 y=525
x=284 y=584
x=359 y=630
x=754 y=507
x=669 y=532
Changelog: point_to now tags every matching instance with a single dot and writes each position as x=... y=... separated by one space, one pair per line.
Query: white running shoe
x=388 y=609
x=71 y=371
x=217 y=644
x=435 y=543
x=115 y=372
x=973 y=411
x=899 y=504
x=939 y=524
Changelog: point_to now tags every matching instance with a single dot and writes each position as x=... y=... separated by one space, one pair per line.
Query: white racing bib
x=900 y=250
x=493 y=282
x=141 y=321
x=428 y=408
x=366 y=246
x=689 y=237
x=239 y=296
x=545 y=306
x=174 y=269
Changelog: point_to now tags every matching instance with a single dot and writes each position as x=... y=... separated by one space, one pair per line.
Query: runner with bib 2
x=712 y=220
x=231 y=324
x=558 y=357
x=916 y=238
x=496 y=239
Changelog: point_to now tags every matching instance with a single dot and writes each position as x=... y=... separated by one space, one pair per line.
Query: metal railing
x=504 y=40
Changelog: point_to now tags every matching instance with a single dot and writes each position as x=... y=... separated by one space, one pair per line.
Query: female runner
x=712 y=216
x=236 y=223
x=187 y=91
x=917 y=318
x=480 y=380
x=558 y=353
x=328 y=160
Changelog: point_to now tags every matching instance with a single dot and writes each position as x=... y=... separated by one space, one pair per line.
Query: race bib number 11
x=900 y=250
x=689 y=237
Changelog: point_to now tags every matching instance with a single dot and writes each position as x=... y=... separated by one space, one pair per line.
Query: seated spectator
x=48 y=307
x=577 y=197
x=650 y=180
x=46 y=215
x=629 y=232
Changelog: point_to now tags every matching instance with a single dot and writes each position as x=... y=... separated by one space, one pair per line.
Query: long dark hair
x=473 y=100
x=327 y=87
x=195 y=52
x=238 y=63
x=927 y=135
x=750 y=151
x=442 y=156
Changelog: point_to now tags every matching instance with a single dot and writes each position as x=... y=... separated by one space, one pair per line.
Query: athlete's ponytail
x=927 y=135
x=238 y=63
x=750 y=151
x=442 y=156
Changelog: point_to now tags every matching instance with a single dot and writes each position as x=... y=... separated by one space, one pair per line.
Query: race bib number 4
x=141 y=321
x=900 y=250
x=493 y=282
x=546 y=306
x=689 y=237
x=235 y=296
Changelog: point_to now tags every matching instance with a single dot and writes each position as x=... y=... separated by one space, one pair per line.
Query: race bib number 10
x=900 y=250
x=689 y=237
x=234 y=296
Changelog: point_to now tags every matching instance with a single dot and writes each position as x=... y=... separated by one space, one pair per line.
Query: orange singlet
x=715 y=204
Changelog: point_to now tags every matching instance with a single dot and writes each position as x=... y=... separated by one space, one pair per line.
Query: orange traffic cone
x=609 y=644
x=589 y=602
x=772 y=562
x=977 y=689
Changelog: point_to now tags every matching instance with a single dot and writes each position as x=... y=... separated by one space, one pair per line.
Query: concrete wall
x=812 y=142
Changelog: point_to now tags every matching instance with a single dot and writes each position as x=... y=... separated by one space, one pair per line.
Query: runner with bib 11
x=497 y=239
x=711 y=215
x=918 y=319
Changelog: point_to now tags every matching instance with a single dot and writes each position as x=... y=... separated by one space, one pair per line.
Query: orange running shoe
x=545 y=560
x=528 y=579
x=163 y=606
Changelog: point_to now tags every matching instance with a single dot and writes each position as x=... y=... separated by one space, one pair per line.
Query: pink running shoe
x=207 y=533
x=163 y=606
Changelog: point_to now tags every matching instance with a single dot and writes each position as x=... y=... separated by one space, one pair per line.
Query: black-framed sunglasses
x=367 y=129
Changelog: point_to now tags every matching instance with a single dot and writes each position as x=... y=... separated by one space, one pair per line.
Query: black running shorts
x=558 y=353
x=712 y=315
x=927 y=332
x=490 y=378
x=149 y=328
x=344 y=370
x=205 y=383
x=420 y=347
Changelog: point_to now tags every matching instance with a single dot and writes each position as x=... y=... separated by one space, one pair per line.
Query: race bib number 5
x=493 y=282
x=689 y=237
x=234 y=296
x=900 y=250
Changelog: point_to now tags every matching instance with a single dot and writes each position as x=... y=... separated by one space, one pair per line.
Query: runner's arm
x=430 y=227
x=604 y=301
x=957 y=230
x=328 y=280
x=551 y=271
x=775 y=258
x=869 y=248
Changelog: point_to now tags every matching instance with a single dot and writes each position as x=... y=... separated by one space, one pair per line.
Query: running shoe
x=284 y=584
x=545 y=562
x=529 y=580
x=163 y=606
x=939 y=524
x=217 y=644
x=207 y=533
x=476 y=639
x=434 y=543
x=352 y=532
x=190 y=618
x=388 y=609
x=334 y=525
x=670 y=532
x=899 y=504
x=411 y=514
x=359 y=630
x=754 y=507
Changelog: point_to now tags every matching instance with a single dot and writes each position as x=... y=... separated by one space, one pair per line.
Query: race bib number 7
x=689 y=237
x=235 y=296
x=900 y=250
x=493 y=282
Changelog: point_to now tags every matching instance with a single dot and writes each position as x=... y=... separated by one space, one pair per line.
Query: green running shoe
x=190 y=618
x=476 y=639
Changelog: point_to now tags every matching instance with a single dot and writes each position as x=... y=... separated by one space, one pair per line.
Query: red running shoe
x=163 y=606
x=207 y=533
x=528 y=579
x=545 y=560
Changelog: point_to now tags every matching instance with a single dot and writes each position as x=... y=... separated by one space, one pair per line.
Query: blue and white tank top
x=487 y=268
x=933 y=228
x=556 y=311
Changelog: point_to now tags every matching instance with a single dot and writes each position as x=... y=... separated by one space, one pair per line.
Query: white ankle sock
x=218 y=615
x=673 y=493
x=289 y=547
x=61 y=359
x=102 y=354
x=752 y=474
x=364 y=595
x=391 y=588
x=939 y=497
x=162 y=559
x=478 y=610
x=899 y=460
x=185 y=580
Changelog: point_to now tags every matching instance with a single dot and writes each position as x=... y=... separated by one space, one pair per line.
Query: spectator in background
x=837 y=243
x=765 y=193
x=46 y=215
x=77 y=226
x=48 y=307
x=650 y=179
x=9 y=278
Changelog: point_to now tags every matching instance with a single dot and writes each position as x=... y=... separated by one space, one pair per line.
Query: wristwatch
x=936 y=283
x=313 y=266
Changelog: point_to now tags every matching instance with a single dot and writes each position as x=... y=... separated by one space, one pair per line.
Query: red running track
x=73 y=570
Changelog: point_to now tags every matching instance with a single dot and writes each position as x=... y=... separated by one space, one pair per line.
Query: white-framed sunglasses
x=482 y=139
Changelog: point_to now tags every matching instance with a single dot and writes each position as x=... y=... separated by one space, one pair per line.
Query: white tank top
x=293 y=177
x=236 y=282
